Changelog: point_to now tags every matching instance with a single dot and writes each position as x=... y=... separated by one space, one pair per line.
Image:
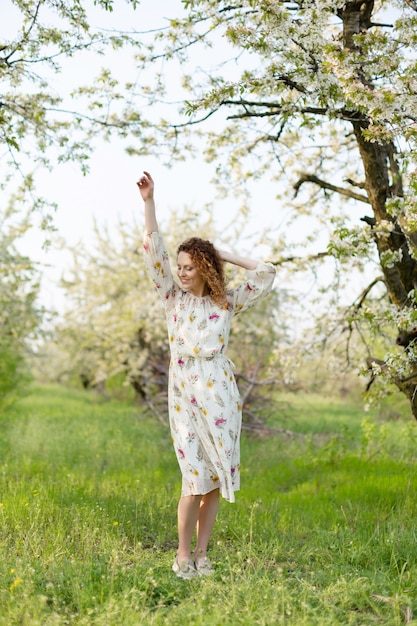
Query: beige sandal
x=184 y=568
x=204 y=566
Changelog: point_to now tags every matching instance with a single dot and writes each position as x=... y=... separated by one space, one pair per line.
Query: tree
x=20 y=316
x=326 y=104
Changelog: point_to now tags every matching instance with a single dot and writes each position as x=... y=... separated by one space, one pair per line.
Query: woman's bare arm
x=235 y=259
x=146 y=187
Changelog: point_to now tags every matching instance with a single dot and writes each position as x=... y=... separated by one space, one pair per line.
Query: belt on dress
x=181 y=358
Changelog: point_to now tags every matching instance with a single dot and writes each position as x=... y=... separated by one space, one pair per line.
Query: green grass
x=322 y=533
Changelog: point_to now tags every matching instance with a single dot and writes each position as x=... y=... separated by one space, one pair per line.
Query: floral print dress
x=205 y=411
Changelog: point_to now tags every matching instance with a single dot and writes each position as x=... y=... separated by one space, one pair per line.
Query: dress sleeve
x=157 y=263
x=258 y=284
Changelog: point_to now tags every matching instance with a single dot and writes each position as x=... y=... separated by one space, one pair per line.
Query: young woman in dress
x=205 y=412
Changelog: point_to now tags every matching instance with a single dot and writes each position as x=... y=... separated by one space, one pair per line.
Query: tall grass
x=323 y=531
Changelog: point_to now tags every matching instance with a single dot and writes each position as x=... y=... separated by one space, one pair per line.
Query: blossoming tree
x=320 y=97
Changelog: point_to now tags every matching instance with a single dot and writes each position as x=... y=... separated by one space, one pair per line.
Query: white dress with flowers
x=205 y=411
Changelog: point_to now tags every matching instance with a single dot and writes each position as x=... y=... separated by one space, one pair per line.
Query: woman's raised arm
x=146 y=187
x=235 y=259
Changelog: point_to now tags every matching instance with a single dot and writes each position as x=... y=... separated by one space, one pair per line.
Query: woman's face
x=189 y=276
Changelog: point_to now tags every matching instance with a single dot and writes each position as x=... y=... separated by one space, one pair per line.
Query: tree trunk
x=382 y=181
x=401 y=277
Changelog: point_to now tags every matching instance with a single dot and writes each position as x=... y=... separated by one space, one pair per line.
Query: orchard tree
x=322 y=98
x=112 y=324
x=20 y=315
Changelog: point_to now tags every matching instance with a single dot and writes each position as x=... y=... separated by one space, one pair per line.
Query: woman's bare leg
x=188 y=514
x=209 y=507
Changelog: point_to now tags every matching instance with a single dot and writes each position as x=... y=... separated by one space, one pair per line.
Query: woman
x=204 y=404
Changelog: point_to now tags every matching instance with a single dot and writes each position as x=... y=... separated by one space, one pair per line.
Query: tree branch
x=254 y=382
x=275 y=107
x=412 y=4
x=411 y=235
x=309 y=257
x=365 y=292
x=291 y=83
x=26 y=33
x=345 y=114
x=193 y=122
x=371 y=221
x=310 y=178
x=355 y=183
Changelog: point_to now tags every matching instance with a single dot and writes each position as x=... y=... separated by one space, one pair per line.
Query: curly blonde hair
x=209 y=264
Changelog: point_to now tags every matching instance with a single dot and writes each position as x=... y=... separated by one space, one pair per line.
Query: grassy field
x=323 y=531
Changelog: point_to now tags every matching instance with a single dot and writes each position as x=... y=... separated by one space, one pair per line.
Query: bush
x=13 y=373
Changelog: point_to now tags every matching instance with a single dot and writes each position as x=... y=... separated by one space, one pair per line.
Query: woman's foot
x=184 y=568
x=204 y=566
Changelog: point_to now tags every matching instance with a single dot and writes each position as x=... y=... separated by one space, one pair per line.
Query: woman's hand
x=146 y=186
